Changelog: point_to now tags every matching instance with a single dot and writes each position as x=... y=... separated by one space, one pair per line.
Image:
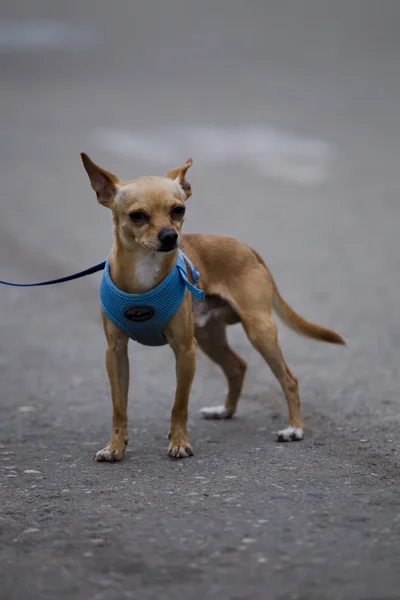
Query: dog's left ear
x=179 y=175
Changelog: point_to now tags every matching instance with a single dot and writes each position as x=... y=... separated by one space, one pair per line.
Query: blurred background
x=290 y=111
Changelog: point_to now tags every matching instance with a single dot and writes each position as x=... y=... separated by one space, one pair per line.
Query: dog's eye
x=138 y=216
x=178 y=211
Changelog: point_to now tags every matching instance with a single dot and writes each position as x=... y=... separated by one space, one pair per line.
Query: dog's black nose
x=167 y=238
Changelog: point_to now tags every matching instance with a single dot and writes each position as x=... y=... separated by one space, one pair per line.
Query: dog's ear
x=179 y=175
x=105 y=184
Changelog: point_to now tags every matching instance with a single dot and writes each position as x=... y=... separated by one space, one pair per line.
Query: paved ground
x=290 y=110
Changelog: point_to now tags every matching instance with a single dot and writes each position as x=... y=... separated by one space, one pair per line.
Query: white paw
x=106 y=455
x=290 y=434
x=179 y=451
x=215 y=412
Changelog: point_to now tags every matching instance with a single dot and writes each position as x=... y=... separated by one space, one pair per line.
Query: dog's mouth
x=161 y=247
x=167 y=249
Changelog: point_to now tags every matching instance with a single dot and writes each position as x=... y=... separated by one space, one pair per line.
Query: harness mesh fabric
x=164 y=300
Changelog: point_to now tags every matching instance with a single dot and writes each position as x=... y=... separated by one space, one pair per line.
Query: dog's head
x=148 y=211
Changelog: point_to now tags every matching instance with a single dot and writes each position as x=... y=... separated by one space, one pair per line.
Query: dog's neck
x=137 y=270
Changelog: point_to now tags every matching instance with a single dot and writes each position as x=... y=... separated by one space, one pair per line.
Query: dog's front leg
x=117 y=364
x=180 y=335
x=179 y=446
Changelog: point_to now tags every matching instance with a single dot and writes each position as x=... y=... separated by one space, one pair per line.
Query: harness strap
x=198 y=294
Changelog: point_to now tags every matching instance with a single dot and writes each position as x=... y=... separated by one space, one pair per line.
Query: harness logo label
x=139 y=313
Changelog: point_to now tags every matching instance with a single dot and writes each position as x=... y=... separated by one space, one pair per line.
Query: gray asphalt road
x=290 y=111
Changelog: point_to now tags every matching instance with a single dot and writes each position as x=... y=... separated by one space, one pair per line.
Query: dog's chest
x=146 y=271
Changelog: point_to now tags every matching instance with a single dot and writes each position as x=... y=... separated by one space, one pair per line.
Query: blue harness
x=144 y=316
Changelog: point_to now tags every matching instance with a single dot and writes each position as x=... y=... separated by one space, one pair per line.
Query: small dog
x=148 y=215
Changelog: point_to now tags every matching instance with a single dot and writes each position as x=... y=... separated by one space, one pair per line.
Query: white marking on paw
x=290 y=434
x=214 y=412
x=182 y=452
x=106 y=455
x=179 y=452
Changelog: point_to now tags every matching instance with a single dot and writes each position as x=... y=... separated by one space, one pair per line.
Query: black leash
x=94 y=269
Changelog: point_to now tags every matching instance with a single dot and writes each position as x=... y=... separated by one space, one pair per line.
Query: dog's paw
x=108 y=455
x=290 y=434
x=180 y=451
x=215 y=412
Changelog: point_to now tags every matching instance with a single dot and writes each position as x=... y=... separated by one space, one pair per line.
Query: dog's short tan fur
x=238 y=288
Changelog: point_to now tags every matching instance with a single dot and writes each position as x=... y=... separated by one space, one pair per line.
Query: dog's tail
x=295 y=321
x=300 y=325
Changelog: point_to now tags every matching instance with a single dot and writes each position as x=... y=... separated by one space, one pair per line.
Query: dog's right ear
x=105 y=184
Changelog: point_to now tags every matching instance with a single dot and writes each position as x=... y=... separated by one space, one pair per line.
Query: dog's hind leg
x=212 y=340
x=262 y=333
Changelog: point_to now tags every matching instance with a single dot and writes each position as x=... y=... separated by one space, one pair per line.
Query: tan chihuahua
x=148 y=215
